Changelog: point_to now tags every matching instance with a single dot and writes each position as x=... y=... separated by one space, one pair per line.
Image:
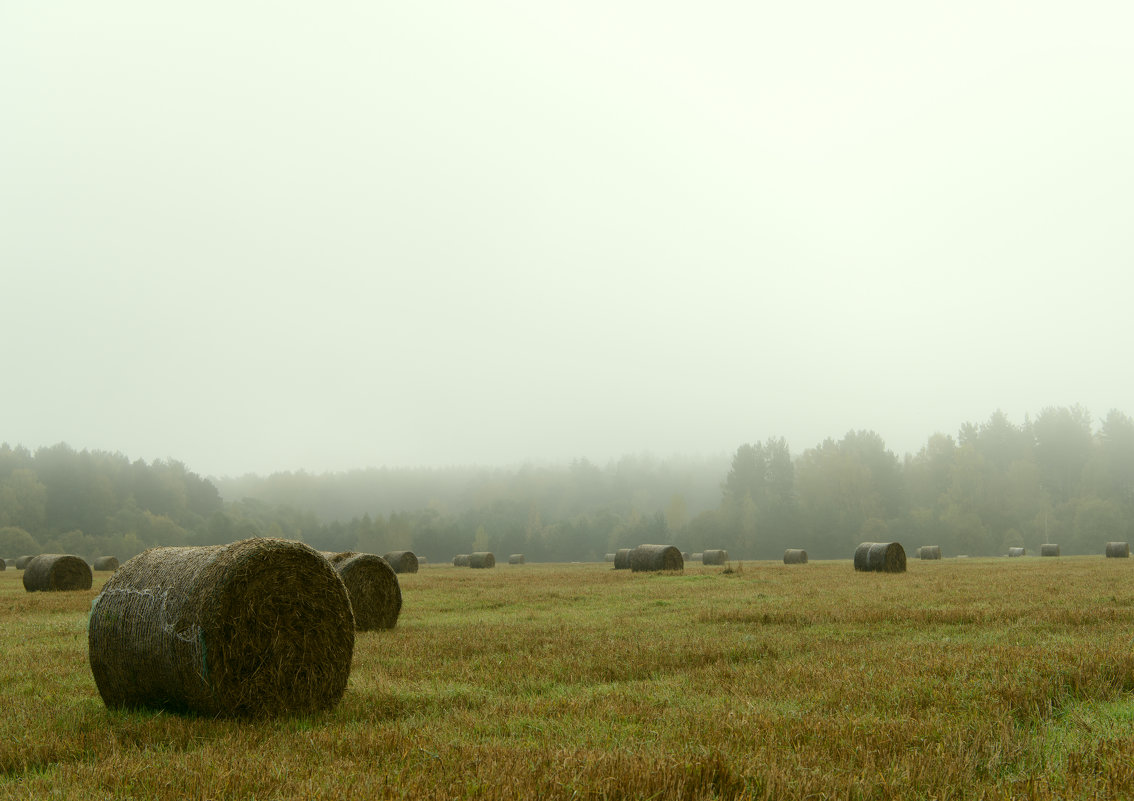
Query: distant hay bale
x=256 y=628
x=622 y=559
x=516 y=559
x=698 y=557
x=608 y=558
x=880 y=557
x=1014 y=551
x=714 y=557
x=685 y=555
x=795 y=556
x=10 y=563
x=655 y=557
x=1118 y=550
x=57 y=572
x=929 y=552
x=22 y=562
x=3 y=564
x=402 y=561
x=106 y=563
x=334 y=557
x=373 y=588
x=1049 y=549
x=461 y=560
x=482 y=559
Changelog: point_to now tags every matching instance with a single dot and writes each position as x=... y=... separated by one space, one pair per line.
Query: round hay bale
x=622 y=559
x=22 y=562
x=685 y=555
x=1049 y=549
x=10 y=563
x=655 y=557
x=862 y=556
x=402 y=561
x=880 y=557
x=714 y=557
x=516 y=559
x=52 y=572
x=1118 y=550
x=482 y=559
x=461 y=560
x=334 y=557
x=106 y=563
x=1014 y=551
x=608 y=558
x=795 y=556
x=256 y=628
x=374 y=591
x=3 y=564
x=698 y=557
x=929 y=552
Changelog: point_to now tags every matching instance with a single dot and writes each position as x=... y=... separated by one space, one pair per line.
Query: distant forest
x=1058 y=477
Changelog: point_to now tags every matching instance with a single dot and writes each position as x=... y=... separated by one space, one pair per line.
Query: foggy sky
x=277 y=236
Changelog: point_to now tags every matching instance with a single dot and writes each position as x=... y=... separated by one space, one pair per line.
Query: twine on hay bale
x=22 y=562
x=402 y=561
x=929 y=552
x=880 y=557
x=57 y=572
x=256 y=628
x=516 y=559
x=655 y=557
x=795 y=556
x=106 y=563
x=1118 y=550
x=714 y=557
x=373 y=588
x=622 y=559
x=482 y=559
x=1049 y=549
x=1016 y=551
x=461 y=560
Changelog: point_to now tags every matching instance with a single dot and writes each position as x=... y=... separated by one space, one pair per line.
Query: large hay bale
x=714 y=557
x=106 y=563
x=622 y=559
x=256 y=628
x=22 y=562
x=929 y=552
x=795 y=556
x=1118 y=550
x=655 y=557
x=880 y=557
x=482 y=559
x=516 y=559
x=52 y=572
x=374 y=591
x=402 y=561
x=461 y=560
x=1049 y=549
x=1015 y=551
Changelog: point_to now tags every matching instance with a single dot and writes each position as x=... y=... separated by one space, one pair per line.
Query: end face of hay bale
x=654 y=558
x=374 y=591
x=714 y=557
x=622 y=559
x=795 y=556
x=1013 y=552
x=253 y=629
x=516 y=559
x=461 y=560
x=106 y=563
x=55 y=572
x=402 y=561
x=929 y=552
x=1049 y=549
x=1118 y=550
x=482 y=559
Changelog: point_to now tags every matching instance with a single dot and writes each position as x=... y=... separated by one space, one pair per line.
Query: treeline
x=1055 y=478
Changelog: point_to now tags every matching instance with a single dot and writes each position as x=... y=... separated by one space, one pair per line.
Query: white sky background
x=259 y=236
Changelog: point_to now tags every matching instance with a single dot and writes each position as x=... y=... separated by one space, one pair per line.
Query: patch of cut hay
x=57 y=572
x=482 y=559
x=22 y=562
x=622 y=559
x=655 y=557
x=1014 y=551
x=516 y=559
x=714 y=557
x=1049 y=549
x=256 y=628
x=106 y=563
x=929 y=552
x=461 y=560
x=374 y=592
x=880 y=557
x=1118 y=550
x=795 y=556
x=402 y=561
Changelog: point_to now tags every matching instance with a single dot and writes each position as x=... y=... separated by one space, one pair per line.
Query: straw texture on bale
x=795 y=556
x=714 y=557
x=373 y=588
x=516 y=559
x=52 y=572
x=402 y=561
x=482 y=559
x=106 y=563
x=1118 y=550
x=655 y=557
x=1014 y=551
x=256 y=628
x=461 y=560
x=622 y=559
x=880 y=557
x=929 y=552
x=22 y=562
x=1049 y=549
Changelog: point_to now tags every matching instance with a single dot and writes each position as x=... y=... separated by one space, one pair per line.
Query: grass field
x=958 y=679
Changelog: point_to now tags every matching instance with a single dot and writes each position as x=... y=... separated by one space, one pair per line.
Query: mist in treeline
x=1059 y=477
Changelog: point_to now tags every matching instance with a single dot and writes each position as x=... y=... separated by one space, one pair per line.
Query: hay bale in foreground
x=461 y=560
x=880 y=557
x=22 y=562
x=795 y=556
x=57 y=572
x=1014 y=551
x=655 y=557
x=622 y=559
x=1049 y=549
x=714 y=557
x=372 y=586
x=929 y=552
x=1118 y=550
x=482 y=559
x=402 y=561
x=516 y=559
x=106 y=563
x=256 y=628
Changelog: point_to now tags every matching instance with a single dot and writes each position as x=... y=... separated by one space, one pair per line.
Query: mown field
x=963 y=678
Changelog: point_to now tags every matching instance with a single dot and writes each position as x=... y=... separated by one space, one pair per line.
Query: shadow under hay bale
x=106 y=563
x=1049 y=549
x=402 y=561
x=516 y=559
x=482 y=559
x=929 y=552
x=714 y=557
x=795 y=556
x=56 y=572
x=880 y=557
x=622 y=559
x=373 y=588
x=256 y=628
x=655 y=557
x=1118 y=550
x=1014 y=551
x=22 y=562
x=461 y=560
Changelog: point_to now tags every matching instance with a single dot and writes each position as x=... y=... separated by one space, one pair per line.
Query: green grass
x=958 y=679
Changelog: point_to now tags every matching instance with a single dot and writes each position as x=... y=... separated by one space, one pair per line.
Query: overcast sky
x=260 y=236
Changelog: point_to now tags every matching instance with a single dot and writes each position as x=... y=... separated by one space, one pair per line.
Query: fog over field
x=260 y=237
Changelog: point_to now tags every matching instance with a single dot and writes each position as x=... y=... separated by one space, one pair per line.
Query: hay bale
x=622 y=559
x=685 y=555
x=1016 y=552
x=655 y=557
x=52 y=572
x=1049 y=549
x=3 y=564
x=608 y=558
x=402 y=561
x=461 y=560
x=106 y=563
x=22 y=562
x=516 y=559
x=880 y=557
x=929 y=552
x=482 y=559
x=1118 y=550
x=795 y=556
x=698 y=557
x=10 y=563
x=714 y=557
x=256 y=628
x=372 y=586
